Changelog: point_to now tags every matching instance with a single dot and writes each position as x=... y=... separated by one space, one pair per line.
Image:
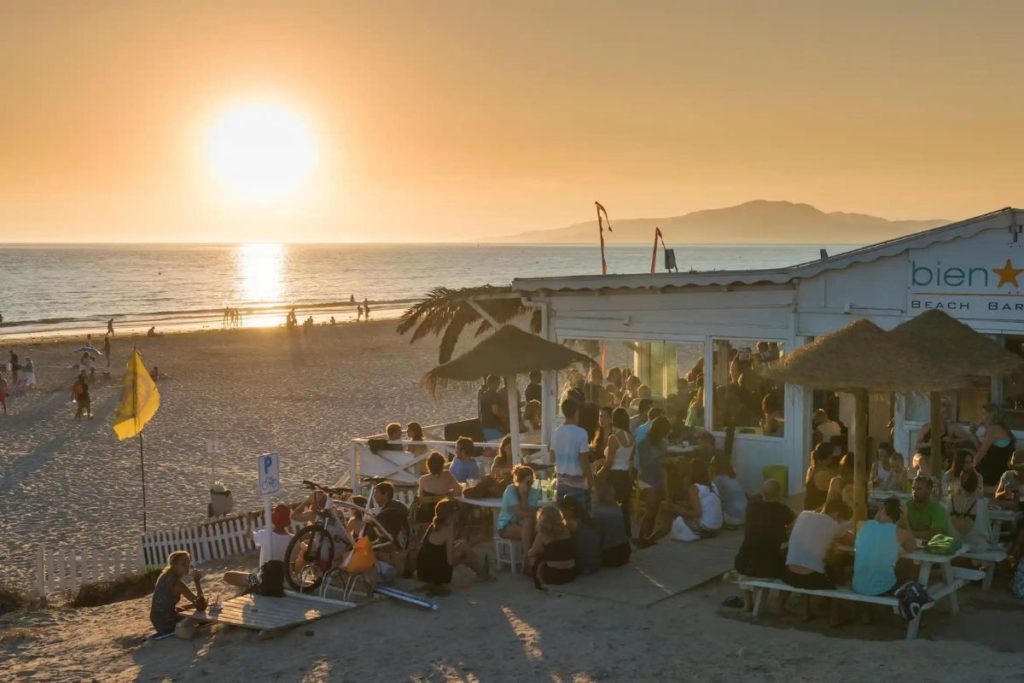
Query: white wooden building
x=973 y=269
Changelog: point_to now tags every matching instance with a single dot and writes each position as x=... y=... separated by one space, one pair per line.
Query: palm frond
x=450 y=338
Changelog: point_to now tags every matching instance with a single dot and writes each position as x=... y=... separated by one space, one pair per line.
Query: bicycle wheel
x=308 y=557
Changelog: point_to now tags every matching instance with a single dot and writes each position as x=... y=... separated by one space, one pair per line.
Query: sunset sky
x=431 y=121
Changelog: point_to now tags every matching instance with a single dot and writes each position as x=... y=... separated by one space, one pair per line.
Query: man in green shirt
x=925 y=516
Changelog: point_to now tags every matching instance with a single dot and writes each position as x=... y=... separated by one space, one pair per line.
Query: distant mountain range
x=754 y=222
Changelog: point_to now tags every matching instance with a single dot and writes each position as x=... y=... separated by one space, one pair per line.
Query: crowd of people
x=909 y=504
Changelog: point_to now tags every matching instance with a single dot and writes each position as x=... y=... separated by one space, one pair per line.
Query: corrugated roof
x=946 y=233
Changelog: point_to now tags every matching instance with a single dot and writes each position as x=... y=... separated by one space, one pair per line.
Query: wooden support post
x=860 y=448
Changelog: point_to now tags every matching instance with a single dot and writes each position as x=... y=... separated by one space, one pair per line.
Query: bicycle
x=312 y=554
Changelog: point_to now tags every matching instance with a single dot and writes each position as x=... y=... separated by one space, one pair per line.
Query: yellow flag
x=139 y=401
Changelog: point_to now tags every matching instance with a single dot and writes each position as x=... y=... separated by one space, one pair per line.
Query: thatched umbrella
x=960 y=350
x=508 y=352
x=858 y=359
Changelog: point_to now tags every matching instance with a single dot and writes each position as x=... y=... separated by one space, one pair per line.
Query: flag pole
x=142 y=465
x=135 y=410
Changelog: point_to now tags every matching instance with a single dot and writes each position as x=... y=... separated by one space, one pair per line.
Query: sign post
x=269 y=467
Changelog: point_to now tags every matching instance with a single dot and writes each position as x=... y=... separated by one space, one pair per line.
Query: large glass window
x=742 y=396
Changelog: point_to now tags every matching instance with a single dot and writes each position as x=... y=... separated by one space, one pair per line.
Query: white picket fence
x=62 y=570
x=65 y=569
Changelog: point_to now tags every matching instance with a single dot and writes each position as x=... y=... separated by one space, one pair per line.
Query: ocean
x=59 y=289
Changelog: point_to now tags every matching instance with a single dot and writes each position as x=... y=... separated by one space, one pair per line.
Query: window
x=742 y=397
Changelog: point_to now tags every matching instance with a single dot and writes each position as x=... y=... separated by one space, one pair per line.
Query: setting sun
x=261 y=152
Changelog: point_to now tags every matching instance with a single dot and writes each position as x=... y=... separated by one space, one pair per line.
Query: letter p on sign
x=269 y=468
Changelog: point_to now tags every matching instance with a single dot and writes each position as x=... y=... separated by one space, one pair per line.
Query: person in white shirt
x=273 y=546
x=824 y=428
x=571 y=456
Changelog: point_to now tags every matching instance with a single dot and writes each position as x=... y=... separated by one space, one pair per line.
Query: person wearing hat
x=274 y=543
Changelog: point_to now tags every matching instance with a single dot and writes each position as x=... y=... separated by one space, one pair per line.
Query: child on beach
x=163 y=612
x=80 y=394
x=273 y=546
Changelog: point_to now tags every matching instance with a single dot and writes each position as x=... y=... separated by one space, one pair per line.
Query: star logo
x=1008 y=274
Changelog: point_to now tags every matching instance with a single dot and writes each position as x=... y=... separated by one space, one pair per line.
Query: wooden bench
x=989 y=559
x=761 y=588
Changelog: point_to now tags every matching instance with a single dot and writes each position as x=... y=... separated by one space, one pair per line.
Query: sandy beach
x=67 y=482
x=507 y=631
x=73 y=483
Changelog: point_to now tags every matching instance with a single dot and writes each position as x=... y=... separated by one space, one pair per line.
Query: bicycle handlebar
x=326 y=489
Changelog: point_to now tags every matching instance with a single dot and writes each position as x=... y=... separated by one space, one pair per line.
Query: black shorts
x=616 y=556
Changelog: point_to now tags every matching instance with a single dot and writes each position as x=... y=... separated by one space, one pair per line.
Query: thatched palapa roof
x=862 y=356
x=955 y=346
x=509 y=351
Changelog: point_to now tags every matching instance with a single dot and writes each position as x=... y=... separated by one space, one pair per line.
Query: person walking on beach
x=3 y=393
x=110 y=326
x=80 y=393
x=359 y=312
x=366 y=310
x=15 y=367
x=106 y=350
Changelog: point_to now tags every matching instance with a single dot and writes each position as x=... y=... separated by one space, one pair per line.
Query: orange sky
x=452 y=120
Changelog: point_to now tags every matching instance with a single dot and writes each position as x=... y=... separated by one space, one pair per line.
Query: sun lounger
x=761 y=588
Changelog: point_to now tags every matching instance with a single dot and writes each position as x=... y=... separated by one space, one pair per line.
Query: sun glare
x=259 y=272
x=261 y=152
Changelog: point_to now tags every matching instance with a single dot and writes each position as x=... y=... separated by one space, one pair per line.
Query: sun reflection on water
x=259 y=272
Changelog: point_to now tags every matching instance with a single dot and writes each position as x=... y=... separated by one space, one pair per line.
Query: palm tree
x=446 y=313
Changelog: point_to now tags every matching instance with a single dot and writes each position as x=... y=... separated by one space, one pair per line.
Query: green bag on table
x=940 y=544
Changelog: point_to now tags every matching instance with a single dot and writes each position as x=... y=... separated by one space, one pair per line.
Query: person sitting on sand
x=586 y=538
x=519 y=508
x=438 y=481
x=703 y=517
x=80 y=394
x=734 y=498
x=440 y=551
x=273 y=546
x=392 y=514
x=464 y=466
x=163 y=610
x=552 y=555
x=611 y=525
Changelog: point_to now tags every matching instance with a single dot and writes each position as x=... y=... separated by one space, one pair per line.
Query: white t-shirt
x=569 y=441
x=275 y=549
x=829 y=429
x=813 y=533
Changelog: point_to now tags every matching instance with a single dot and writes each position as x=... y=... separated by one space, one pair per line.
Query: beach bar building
x=972 y=269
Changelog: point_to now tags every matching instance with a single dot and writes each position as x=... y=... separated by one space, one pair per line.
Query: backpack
x=912 y=598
